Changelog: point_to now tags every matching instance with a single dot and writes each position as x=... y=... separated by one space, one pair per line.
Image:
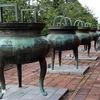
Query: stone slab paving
x=82 y=58
x=68 y=69
x=32 y=93
x=91 y=51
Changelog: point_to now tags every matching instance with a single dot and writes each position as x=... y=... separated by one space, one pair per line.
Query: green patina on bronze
x=63 y=37
x=22 y=43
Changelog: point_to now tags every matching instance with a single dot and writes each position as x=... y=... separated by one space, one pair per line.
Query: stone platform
x=32 y=93
x=82 y=57
x=91 y=51
x=68 y=69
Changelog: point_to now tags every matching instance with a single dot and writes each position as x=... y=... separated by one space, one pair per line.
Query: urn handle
x=79 y=23
x=58 y=21
x=62 y=21
x=87 y=24
x=69 y=22
x=8 y=5
x=25 y=10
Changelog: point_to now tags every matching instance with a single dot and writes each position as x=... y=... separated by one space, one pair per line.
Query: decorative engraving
x=7 y=42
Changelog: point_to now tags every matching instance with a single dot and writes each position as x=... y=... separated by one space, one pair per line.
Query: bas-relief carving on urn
x=22 y=43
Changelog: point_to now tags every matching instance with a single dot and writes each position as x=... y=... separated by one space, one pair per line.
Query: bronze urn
x=94 y=35
x=83 y=33
x=63 y=37
x=22 y=43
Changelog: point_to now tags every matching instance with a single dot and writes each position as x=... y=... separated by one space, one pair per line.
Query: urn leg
x=19 y=69
x=89 y=46
x=60 y=52
x=53 y=59
x=95 y=42
x=43 y=69
x=75 y=51
x=2 y=80
x=85 y=47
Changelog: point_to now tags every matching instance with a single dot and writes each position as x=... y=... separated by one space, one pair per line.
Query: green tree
x=9 y=13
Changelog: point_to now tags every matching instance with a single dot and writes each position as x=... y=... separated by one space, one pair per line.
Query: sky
x=94 y=5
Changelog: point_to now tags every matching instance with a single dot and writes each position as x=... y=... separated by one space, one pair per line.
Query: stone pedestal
x=83 y=57
x=33 y=93
x=68 y=69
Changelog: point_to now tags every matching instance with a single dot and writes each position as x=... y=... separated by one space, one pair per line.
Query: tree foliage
x=68 y=8
x=9 y=12
x=75 y=11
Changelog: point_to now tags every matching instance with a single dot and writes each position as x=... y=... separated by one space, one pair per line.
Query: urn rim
x=24 y=26
x=84 y=28
x=63 y=27
x=93 y=29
